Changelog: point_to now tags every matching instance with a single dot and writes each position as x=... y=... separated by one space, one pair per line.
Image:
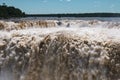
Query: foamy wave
x=65 y=52
x=54 y=23
x=25 y=24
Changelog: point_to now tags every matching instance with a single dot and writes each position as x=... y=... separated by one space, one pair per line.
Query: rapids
x=59 y=50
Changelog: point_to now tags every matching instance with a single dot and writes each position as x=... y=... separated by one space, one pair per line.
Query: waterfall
x=60 y=53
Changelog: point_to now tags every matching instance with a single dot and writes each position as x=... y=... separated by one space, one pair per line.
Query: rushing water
x=113 y=19
x=60 y=50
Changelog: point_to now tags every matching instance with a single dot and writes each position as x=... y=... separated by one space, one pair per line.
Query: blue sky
x=65 y=6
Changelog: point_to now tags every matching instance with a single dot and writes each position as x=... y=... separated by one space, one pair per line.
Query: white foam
x=93 y=30
x=93 y=33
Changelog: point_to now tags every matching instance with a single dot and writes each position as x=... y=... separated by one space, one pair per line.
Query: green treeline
x=10 y=12
x=76 y=15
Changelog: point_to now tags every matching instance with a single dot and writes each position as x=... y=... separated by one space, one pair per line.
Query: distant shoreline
x=75 y=15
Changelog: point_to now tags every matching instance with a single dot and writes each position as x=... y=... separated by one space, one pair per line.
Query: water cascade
x=61 y=53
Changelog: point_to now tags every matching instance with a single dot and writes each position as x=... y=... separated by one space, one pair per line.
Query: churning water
x=60 y=50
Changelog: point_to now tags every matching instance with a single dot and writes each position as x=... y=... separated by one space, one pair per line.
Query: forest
x=10 y=12
x=76 y=15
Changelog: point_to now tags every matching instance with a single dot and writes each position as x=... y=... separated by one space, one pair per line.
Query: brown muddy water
x=59 y=50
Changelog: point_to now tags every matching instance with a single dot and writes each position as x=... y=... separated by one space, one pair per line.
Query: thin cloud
x=65 y=0
x=68 y=0
x=44 y=1
x=61 y=0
